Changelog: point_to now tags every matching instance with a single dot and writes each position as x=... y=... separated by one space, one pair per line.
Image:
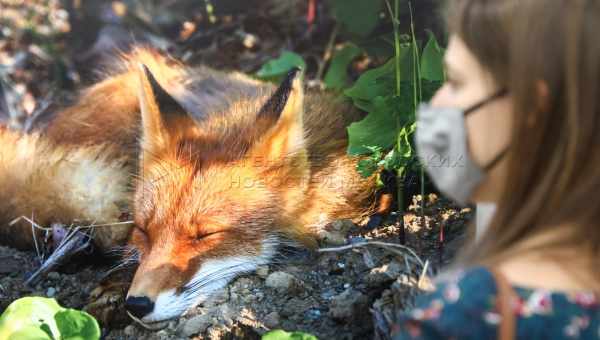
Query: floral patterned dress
x=463 y=306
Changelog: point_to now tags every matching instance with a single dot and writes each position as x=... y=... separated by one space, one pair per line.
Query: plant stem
x=395 y=24
x=417 y=96
x=401 y=173
x=328 y=52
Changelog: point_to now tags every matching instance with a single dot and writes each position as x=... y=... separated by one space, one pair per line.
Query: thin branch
x=328 y=52
x=389 y=246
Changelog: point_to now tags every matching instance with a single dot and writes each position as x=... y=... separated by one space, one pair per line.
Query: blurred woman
x=519 y=116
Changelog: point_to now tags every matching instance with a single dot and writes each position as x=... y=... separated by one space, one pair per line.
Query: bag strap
x=505 y=297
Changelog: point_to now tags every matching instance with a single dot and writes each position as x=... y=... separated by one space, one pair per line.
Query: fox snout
x=139 y=306
x=163 y=292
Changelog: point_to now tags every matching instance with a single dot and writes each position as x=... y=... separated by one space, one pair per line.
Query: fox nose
x=139 y=306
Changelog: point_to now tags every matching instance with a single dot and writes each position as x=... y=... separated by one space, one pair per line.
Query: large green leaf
x=358 y=17
x=276 y=69
x=337 y=75
x=24 y=314
x=39 y=318
x=379 y=128
x=432 y=61
x=30 y=332
x=381 y=81
x=76 y=325
x=378 y=82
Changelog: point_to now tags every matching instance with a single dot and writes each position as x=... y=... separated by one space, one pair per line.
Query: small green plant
x=39 y=318
x=389 y=94
x=279 y=334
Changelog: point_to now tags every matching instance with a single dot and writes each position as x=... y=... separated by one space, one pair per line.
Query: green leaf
x=39 y=318
x=404 y=145
x=378 y=82
x=392 y=160
x=77 y=325
x=30 y=332
x=23 y=315
x=337 y=75
x=46 y=328
x=379 y=128
x=381 y=81
x=366 y=167
x=432 y=60
x=369 y=165
x=275 y=69
x=358 y=17
x=283 y=335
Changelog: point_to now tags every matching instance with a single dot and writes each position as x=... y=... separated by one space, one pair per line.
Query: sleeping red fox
x=228 y=170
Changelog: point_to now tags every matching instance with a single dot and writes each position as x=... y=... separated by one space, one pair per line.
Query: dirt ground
x=332 y=295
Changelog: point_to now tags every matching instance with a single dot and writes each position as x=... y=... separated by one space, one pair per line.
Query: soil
x=333 y=295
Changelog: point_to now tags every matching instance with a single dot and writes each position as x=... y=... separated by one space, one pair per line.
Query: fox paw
x=106 y=304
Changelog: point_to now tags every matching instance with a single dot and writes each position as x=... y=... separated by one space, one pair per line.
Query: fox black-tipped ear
x=166 y=104
x=160 y=112
x=282 y=115
x=287 y=99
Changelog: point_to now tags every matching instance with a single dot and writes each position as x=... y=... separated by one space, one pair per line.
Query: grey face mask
x=443 y=148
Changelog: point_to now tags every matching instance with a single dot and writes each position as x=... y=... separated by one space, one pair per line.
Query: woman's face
x=489 y=128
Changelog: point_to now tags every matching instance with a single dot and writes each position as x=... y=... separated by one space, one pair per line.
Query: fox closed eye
x=203 y=235
x=140 y=230
x=139 y=238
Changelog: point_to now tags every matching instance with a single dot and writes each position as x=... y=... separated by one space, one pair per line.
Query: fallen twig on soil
x=75 y=240
x=393 y=247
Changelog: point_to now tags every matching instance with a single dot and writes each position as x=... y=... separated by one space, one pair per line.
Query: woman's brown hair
x=547 y=54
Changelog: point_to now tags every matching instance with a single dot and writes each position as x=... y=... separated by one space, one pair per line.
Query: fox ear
x=283 y=115
x=161 y=113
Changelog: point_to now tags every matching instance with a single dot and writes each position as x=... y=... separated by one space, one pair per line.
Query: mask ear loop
x=501 y=93
x=497 y=159
x=484 y=102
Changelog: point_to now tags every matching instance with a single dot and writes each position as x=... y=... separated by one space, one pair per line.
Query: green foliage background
x=389 y=93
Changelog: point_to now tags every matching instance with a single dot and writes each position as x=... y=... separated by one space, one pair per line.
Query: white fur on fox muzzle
x=212 y=276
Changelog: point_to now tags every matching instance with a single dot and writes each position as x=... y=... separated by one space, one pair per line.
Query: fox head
x=211 y=197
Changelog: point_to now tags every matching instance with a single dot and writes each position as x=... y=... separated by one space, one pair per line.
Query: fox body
x=219 y=170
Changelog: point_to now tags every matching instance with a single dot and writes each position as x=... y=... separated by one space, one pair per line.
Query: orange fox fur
x=227 y=169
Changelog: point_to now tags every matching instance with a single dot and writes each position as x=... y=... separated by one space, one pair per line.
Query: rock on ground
x=348 y=305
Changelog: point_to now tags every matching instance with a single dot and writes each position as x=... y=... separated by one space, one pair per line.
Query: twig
x=105 y=225
x=74 y=242
x=35 y=242
x=18 y=219
x=77 y=239
x=393 y=247
x=374 y=243
x=328 y=52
